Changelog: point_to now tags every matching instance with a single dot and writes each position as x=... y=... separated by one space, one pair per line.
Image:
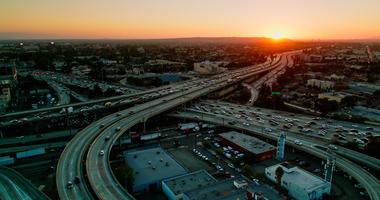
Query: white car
x=101 y=152
x=333 y=147
x=297 y=142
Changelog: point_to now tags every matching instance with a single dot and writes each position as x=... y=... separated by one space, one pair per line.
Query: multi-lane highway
x=94 y=137
x=13 y=186
x=302 y=142
x=268 y=121
x=268 y=79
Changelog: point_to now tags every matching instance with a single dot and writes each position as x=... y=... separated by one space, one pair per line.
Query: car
x=101 y=153
x=20 y=137
x=107 y=138
x=333 y=147
x=69 y=185
x=231 y=165
x=363 y=193
x=101 y=125
x=117 y=129
x=268 y=129
x=231 y=123
x=297 y=142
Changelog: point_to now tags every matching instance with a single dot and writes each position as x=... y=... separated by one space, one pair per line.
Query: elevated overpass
x=14 y=186
x=92 y=137
x=366 y=179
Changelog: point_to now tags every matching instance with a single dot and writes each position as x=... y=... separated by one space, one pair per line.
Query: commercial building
x=7 y=82
x=245 y=143
x=208 y=67
x=300 y=184
x=174 y=188
x=333 y=96
x=324 y=85
x=150 y=167
x=239 y=187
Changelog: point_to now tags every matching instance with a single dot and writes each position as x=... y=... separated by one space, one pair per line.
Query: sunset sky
x=130 y=19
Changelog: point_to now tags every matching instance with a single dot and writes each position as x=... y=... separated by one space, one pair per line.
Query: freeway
x=367 y=180
x=63 y=95
x=13 y=186
x=69 y=168
x=267 y=79
x=265 y=120
x=95 y=104
x=80 y=81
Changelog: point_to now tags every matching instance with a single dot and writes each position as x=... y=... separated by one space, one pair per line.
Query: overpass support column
x=281 y=147
x=144 y=125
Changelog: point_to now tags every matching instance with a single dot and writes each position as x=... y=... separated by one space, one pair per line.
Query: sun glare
x=277 y=36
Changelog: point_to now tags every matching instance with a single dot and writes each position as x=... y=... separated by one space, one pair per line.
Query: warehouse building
x=239 y=187
x=245 y=143
x=174 y=188
x=150 y=167
x=300 y=184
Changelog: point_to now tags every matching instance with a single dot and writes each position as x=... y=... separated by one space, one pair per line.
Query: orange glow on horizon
x=322 y=19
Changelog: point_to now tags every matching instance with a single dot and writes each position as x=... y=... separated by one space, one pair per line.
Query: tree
x=376 y=93
x=248 y=170
x=125 y=175
x=279 y=173
x=348 y=101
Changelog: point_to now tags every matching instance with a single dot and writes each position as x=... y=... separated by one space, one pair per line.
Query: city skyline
x=41 y=19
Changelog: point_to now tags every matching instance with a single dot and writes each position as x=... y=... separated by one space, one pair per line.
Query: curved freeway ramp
x=98 y=168
x=13 y=186
x=70 y=167
x=99 y=172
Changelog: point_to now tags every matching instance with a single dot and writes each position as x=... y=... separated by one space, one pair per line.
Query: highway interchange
x=99 y=169
x=76 y=179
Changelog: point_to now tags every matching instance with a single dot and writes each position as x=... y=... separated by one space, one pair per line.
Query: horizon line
x=190 y=37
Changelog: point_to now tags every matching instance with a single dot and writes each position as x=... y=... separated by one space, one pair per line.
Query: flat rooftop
x=151 y=165
x=306 y=180
x=191 y=181
x=251 y=144
x=226 y=190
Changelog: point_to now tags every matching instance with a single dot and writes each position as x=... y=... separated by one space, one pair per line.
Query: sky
x=142 y=19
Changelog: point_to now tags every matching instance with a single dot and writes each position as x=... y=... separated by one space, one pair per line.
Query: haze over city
x=141 y=19
x=190 y=99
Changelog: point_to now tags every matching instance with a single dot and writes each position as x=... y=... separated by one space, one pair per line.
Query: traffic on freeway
x=263 y=126
x=69 y=168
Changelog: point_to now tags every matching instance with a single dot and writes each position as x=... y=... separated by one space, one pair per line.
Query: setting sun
x=277 y=36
